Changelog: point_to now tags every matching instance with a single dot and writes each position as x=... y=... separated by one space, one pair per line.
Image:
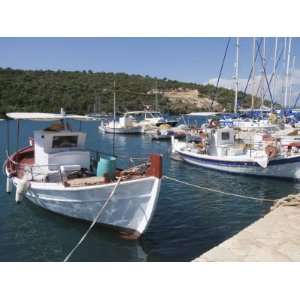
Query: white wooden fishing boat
x=57 y=172
x=218 y=150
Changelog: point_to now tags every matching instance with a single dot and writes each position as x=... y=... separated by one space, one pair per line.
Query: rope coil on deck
x=217 y=191
x=94 y=221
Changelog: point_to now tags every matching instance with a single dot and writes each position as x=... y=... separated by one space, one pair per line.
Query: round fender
x=271 y=151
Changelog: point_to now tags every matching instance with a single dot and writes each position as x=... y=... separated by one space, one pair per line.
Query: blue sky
x=186 y=59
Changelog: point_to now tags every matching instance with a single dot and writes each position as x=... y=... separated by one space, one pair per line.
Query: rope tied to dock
x=218 y=191
x=289 y=200
x=94 y=221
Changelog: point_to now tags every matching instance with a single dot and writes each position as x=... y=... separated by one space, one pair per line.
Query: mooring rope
x=289 y=200
x=218 y=191
x=94 y=221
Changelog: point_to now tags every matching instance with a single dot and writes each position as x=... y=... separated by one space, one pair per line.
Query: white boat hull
x=281 y=168
x=125 y=130
x=130 y=208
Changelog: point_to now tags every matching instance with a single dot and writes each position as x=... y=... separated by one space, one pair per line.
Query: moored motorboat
x=125 y=125
x=149 y=118
x=57 y=172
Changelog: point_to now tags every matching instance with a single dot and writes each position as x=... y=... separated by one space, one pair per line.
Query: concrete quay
x=273 y=238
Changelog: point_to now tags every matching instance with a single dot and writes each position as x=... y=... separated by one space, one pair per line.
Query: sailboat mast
x=156 y=96
x=287 y=73
x=283 y=67
x=262 y=72
x=253 y=72
x=114 y=121
x=274 y=68
x=236 y=74
x=114 y=101
x=292 y=80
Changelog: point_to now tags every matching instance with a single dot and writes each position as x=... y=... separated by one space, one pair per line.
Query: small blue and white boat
x=220 y=151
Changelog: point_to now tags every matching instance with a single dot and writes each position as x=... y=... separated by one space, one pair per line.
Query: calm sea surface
x=186 y=223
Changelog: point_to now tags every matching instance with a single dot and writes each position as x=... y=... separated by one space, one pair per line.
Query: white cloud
x=277 y=86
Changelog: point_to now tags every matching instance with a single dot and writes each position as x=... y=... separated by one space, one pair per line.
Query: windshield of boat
x=156 y=115
x=68 y=141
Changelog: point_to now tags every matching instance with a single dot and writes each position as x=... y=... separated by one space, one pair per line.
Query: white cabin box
x=125 y=121
x=54 y=149
x=224 y=136
x=221 y=140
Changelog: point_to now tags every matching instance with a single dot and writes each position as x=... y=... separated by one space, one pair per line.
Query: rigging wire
x=251 y=71
x=276 y=66
x=220 y=74
x=265 y=75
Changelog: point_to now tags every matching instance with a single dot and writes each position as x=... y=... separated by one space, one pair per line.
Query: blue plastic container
x=106 y=166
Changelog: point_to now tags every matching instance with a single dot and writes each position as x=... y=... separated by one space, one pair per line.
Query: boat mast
x=287 y=73
x=253 y=72
x=283 y=67
x=236 y=74
x=292 y=80
x=263 y=68
x=98 y=104
x=274 y=69
x=156 y=96
x=114 y=116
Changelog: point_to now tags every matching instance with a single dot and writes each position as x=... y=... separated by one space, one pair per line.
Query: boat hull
x=129 y=130
x=171 y=123
x=131 y=207
x=288 y=168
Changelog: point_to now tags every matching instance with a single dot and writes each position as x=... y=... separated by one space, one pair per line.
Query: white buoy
x=9 y=185
x=22 y=187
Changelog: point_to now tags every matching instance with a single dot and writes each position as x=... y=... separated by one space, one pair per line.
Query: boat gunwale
x=225 y=160
x=59 y=185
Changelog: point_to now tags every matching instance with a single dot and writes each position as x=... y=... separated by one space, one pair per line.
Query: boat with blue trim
x=221 y=149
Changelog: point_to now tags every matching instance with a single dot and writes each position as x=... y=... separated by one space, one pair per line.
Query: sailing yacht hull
x=131 y=207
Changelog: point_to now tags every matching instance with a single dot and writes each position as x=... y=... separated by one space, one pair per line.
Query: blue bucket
x=106 y=166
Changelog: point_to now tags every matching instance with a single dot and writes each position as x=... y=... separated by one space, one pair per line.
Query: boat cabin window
x=67 y=141
x=225 y=136
x=148 y=115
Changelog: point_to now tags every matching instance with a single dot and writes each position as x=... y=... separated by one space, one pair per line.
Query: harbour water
x=187 y=221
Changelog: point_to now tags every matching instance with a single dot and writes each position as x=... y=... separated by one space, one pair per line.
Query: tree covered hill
x=78 y=91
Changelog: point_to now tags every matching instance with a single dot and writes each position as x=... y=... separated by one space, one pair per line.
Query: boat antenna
x=114 y=116
x=219 y=76
x=287 y=73
x=236 y=75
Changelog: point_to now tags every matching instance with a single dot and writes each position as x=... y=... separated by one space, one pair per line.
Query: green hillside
x=77 y=92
